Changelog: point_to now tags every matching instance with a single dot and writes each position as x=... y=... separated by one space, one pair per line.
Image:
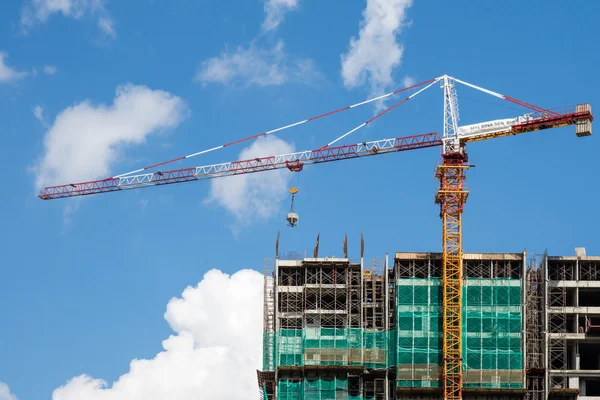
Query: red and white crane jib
x=290 y=161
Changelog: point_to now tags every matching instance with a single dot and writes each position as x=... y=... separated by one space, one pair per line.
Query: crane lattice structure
x=451 y=173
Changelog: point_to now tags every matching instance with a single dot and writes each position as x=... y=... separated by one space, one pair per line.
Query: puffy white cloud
x=8 y=74
x=85 y=140
x=255 y=66
x=275 y=11
x=39 y=11
x=373 y=56
x=213 y=355
x=251 y=197
x=5 y=393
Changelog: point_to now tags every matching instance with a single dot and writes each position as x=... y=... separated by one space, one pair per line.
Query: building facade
x=341 y=329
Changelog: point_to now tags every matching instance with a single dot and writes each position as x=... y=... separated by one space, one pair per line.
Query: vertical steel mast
x=451 y=197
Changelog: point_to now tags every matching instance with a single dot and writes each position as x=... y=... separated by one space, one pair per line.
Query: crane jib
x=296 y=160
x=581 y=116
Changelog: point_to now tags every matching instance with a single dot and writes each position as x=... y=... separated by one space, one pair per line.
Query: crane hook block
x=293 y=190
x=292 y=219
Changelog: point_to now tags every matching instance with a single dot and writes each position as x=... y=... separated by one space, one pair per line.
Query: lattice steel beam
x=451 y=197
x=293 y=161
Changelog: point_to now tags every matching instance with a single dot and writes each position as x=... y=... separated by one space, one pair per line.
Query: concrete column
x=574 y=381
x=576 y=298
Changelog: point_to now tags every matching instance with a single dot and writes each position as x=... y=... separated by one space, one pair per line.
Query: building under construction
x=341 y=329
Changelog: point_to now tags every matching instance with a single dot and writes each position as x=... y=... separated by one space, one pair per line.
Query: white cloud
x=50 y=69
x=213 y=355
x=408 y=81
x=257 y=67
x=260 y=66
x=39 y=11
x=5 y=393
x=275 y=11
x=373 y=56
x=86 y=140
x=38 y=112
x=8 y=74
x=254 y=196
x=108 y=26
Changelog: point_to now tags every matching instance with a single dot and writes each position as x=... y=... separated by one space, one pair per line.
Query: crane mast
x=451 y=195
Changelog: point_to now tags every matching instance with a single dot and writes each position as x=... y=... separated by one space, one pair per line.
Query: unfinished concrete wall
x=572 y=313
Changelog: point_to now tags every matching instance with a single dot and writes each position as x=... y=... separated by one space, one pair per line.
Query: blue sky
x=96 y=87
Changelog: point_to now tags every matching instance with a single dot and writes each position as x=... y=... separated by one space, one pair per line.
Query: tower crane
x=451 y=195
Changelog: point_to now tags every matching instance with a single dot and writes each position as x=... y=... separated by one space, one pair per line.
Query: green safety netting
x=268 y=351
x=492 y=320
x=492 y=341
x=331 y=346
x=317 y=389
x=492 y=333
x=419 y=343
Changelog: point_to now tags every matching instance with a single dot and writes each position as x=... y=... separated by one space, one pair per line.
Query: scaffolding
x=571 y=313
x=558 y=270
x=534 y=331
x=337 y=329
x=332 y=387
x=326 y=322
x=266 y=377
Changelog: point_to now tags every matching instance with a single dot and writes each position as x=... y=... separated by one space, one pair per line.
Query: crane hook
x=292 y=217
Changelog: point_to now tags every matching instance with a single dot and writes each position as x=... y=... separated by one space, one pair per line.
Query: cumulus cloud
x=9 y=74
x=5 y=393
x=275 y=11
x=256 y=66
x=86 y=140
x=372 y=57
x=254 y=196
x=213 y=354
x=39 y=11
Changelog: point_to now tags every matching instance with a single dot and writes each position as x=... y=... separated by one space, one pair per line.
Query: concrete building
x=572 y=324
x=341 y=329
